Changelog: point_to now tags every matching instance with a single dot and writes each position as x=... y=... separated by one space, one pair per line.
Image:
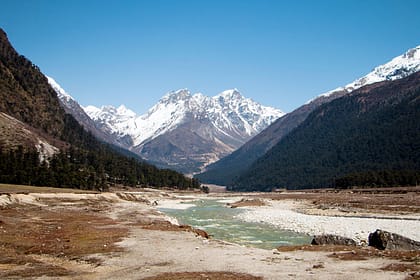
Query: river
x=221 y=223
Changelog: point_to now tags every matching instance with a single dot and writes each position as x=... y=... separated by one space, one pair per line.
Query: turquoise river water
x=219 y=221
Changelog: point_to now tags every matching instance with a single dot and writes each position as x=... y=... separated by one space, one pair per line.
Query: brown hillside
x=25 y=93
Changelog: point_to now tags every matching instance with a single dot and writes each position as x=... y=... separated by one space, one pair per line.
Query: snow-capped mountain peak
x=124 y=111
x=62 y=94
x=230 y=93
x=176 y=96
x=228 y=110
x=108 y=110
x=398 y=68
x=113 y=120
x=91 y=110
x=187 y=130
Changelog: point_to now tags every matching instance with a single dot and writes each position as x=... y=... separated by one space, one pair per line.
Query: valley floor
x=121 y=235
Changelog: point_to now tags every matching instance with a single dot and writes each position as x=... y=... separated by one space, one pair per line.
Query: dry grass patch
x=369 y=252
x=167 y=226
x=16 y=266
x=357 y=252
x=10 y=188
x=316 y=248
x=401 y=267
x=390 y=201
x=73 y=234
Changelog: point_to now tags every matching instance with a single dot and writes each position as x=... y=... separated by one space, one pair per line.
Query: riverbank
x=349 y=214
x=292 y=215
x=220 y=222
x=123 y=236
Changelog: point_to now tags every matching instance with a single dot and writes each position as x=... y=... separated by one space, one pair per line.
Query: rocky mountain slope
x=186 y=131
x=230 y=167
x=18 y=135
x=368 y=137
x=71 y=106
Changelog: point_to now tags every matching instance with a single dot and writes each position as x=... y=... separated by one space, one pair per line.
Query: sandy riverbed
x=146 y=245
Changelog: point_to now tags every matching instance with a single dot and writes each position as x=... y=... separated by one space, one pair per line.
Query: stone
x=384 y=240
x=330 y=239
x=200 y=232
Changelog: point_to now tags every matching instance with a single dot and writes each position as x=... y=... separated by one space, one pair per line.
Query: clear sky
x=279 y=53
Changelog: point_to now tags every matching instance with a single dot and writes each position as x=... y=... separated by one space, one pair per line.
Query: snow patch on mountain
x=45 y=150
x=398 y=68
x=62 y=94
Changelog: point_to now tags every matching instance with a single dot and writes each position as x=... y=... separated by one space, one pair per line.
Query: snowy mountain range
x=182 y=131
x=187 y=131
x=229 y=112
x=226 y=169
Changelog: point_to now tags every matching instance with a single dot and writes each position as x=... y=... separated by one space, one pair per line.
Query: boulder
x=384 y=240
x=202 y=233
x=197 y=231
x=247 y=202
x=329 y=239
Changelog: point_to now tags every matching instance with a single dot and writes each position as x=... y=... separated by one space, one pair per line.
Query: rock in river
x=329 y=239
x=382 y=240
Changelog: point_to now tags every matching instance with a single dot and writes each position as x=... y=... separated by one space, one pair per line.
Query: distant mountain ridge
x=186 y=131
x=226 y=170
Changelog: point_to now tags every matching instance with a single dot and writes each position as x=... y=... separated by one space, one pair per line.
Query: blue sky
x=279 y=53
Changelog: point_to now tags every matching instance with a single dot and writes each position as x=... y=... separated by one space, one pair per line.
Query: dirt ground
x=122 y=236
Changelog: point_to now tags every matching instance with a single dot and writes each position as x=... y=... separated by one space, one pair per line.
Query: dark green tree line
x=370 y=137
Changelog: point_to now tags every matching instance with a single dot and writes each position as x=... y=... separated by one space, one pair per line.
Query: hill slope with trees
x=369 y=137
x=78 y=159
x=229 y=168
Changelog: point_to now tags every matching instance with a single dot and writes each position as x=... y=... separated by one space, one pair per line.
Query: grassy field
x=8 y=188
